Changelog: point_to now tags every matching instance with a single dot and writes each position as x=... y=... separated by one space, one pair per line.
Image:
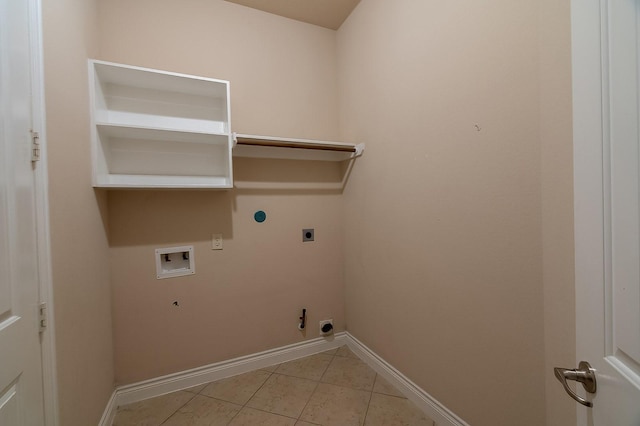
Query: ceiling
x=325 y=13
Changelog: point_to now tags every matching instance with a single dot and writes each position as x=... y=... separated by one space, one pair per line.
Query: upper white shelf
x=295 y=149
x=158 y=129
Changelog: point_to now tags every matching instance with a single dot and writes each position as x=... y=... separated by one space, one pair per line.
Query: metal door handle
x=583 y=374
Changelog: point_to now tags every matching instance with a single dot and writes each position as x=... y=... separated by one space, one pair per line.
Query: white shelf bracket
x=359 y=150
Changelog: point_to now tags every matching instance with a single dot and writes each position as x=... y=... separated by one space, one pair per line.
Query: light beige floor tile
x=204 y=411
x=330 y=352
x=310 y=367
x=237 y=389
x=382 y=386
x=271 y=368
x=390 y=410
x=283 y=395
x=278 y=398
x=151 y=412
x=350 y=372
x=251 y=417
x=346 y=352
x=336 y=406
x=195 y=389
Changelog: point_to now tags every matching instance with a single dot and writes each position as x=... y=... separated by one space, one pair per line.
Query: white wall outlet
x=216 y=242
x=326 y=327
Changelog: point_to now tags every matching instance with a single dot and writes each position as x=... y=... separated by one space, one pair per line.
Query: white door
x=607 y=205
x=21 y=390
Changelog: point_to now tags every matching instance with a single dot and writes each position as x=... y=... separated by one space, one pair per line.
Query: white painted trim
x=110 y=411
x=42 y=216
x=428 y=404
x=589 y=129
x=173 y=382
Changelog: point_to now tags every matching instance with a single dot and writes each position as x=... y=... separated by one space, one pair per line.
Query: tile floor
x=329 y=388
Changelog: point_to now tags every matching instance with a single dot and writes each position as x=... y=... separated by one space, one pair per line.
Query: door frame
x=589 y=133
x=41 y=179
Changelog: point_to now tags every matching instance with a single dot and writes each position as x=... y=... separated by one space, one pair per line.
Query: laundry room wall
x=247 y=297
x=443 y=235
x=78 y=218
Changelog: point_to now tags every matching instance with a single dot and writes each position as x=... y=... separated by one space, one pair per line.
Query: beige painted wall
x=443 y=236
x=79 y=247
x=557 y=205
x=247 y=297
x=458 y=239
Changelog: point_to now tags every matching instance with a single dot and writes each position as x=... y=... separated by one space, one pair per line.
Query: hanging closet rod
x=293 y=143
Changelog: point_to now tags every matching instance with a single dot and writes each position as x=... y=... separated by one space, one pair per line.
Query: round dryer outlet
x=326 y=327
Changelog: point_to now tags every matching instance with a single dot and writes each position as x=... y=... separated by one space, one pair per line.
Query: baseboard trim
x=173 y=382
x=109 y=414
x=429 y=405
x=135 y=392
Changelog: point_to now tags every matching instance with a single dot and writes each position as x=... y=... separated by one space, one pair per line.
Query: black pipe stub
x=326 y=328
x=303 y=320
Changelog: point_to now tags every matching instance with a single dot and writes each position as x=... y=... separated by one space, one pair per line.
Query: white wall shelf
x=156 y=129
x=296 y=149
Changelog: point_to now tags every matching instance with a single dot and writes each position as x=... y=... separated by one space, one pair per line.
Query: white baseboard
x=429 y=405
x=173 y=382
x=110 y=411
x=135 y=392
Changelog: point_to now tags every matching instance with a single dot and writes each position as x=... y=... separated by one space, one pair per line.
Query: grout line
x=220 y=400
x=258 y=390
x=296 y=377
x=252 y=395
x=326 y=369
x=305 y=405
x=348 y=387
x=236 y=415
x=273 y=414
x=232 y=418
x=369 y=403
x=178 y=409
x=392 y=396
x=204 y=387
x=308 y=401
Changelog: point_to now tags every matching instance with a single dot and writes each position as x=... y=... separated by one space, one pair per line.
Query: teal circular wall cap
x=260 y=216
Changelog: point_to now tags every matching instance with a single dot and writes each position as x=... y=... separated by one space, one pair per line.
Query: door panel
x=21 y=393
x=607 y=205
x=624 y=280
x=9 y=406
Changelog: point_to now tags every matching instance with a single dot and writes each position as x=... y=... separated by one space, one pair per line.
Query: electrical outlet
x=308 y=235
x=216 y=242
x=326 y=327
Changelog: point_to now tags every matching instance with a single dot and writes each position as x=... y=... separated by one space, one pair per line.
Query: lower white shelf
x=130 y=157
x=159 y=181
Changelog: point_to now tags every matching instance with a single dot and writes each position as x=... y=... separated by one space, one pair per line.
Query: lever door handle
x=583 y=374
